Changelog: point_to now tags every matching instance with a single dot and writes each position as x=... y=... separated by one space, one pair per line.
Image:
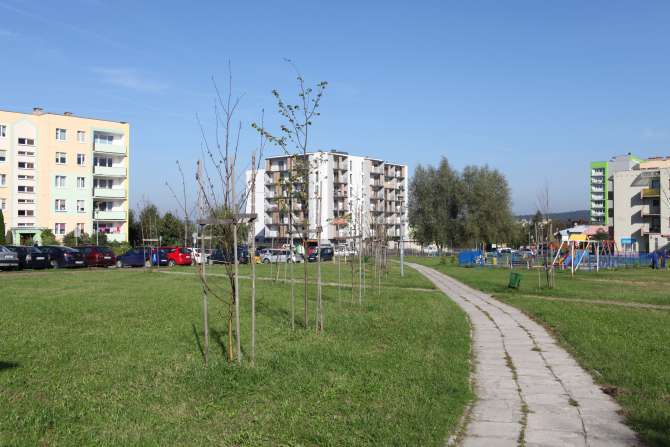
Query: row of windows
x=60 y=206
x=61 y=135
x=61 y=159
x=60 y=181
x=60 y=230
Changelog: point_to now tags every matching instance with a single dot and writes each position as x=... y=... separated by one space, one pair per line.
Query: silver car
x=271 y=256
x=8 y=259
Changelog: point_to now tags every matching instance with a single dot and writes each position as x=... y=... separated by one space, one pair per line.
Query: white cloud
x=129 y=78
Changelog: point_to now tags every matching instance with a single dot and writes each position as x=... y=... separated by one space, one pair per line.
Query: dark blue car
x=140 y=257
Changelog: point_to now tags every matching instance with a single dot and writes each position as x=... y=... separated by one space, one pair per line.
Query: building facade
x=63 y=173
x=601 y=200
x=348 y=196
x=642 y=208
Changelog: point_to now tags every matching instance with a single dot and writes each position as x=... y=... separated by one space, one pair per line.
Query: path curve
x=529 y=390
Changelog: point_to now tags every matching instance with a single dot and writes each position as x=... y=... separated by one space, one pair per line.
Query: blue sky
x=535 y=89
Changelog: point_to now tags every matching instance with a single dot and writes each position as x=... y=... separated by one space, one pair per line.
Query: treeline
x=449 y=208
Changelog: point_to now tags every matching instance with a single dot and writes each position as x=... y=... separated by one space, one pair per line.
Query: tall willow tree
x=451 y=208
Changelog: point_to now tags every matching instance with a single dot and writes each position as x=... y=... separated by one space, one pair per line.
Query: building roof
x=37 y=111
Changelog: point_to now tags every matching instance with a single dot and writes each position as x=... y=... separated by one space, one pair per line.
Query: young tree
x=220 y=209
x=294 y=141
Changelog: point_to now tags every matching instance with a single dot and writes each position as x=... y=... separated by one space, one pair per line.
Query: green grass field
x=626 y=348
x=112 y=357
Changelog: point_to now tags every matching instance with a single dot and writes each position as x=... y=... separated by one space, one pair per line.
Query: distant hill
x=566 y=215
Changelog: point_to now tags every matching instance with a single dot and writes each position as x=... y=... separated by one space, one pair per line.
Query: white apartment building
x=642 y=206
x=349 y=195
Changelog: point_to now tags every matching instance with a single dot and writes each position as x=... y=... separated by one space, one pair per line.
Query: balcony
x=114 y=171
x=109 y=193
x=650 y=212
x=109 y=149
x=647 y=229
x=109 y=215
x=650 y=193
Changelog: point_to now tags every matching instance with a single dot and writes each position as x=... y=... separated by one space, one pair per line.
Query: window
x=26 y=177
x=60 y=134
x=104 y=139
x=81 y=136
x=59 y=228
x=80 y=206
x=26 y=142
x=26 y=213
x=3 y=156
x=3 y=130
x=81 y=182
x=3 y=204
x=61 y=158
x=103 y=161
x=60 y=181
x=26 y=165
x=80 y=228
x=26 y=153
x=3 y=179
x=22 y=201
x=81 y=159
x=59 y=205
x=103 y=183
x=23 y=188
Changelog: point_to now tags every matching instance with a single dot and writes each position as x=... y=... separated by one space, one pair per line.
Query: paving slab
x=529 y=390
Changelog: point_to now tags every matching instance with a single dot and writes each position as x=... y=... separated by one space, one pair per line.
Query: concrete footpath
x=529 y=391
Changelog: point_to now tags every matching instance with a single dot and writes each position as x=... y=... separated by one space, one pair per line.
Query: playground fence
x=587 y=261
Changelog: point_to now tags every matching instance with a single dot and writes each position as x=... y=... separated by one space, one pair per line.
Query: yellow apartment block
x=63 y=173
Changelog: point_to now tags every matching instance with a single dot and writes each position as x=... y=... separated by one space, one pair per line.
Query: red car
x=95 y=256
x=178 y=256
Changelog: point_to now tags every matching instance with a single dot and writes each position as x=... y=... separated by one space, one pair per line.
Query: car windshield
x=69 y=250
x=106 y=251
x=4 y=249
x=185 y=251
x=35 y=250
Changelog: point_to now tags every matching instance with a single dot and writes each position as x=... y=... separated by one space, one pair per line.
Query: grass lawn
x=625 y=348
x=112 y=357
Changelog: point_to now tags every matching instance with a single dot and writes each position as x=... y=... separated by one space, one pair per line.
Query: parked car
x=270 y=256
x=344 y=251
x=162 y=256
x=326 y=253
x=178 y=256
x=135 y=257
x=60 y=257
x=220 y=257
x=198 y=256
x=95 y=256
x=30 y=257
x=8 y=259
